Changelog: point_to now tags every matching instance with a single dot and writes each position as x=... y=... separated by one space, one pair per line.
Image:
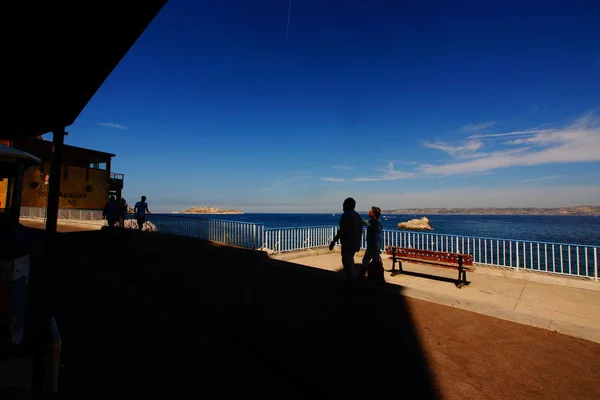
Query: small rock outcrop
x=148 y=226
x=417 y=224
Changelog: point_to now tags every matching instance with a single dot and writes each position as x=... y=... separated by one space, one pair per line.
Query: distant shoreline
x=563 y=211
x=208 y=211
x=498 y=215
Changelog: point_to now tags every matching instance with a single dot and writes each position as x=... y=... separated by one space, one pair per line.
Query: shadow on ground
x=437 y=278
x=153 y=314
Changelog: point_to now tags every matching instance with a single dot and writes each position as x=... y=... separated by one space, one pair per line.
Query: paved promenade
x=563 y=304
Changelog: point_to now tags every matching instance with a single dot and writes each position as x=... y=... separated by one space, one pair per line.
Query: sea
x=543 y=228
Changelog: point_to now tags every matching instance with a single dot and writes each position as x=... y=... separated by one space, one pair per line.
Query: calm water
x=558 y=229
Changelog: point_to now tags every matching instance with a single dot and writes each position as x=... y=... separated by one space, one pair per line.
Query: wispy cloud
x=544 y=178
x=577 y=142
x=477 y=127
x=470 y=175
x=494 y=135
x=344 y=167
x=113 y=125
x=462 y=149
x=481 y=154
x=388 y=174
x=331 y=179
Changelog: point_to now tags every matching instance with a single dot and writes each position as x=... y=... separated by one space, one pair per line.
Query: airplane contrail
x=287 y=29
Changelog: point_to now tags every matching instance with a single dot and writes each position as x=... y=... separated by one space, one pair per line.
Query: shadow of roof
x=143 y=313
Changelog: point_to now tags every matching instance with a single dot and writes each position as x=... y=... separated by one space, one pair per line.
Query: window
x=98 y=165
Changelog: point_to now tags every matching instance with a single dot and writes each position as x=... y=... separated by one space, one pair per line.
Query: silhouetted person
x=350 y=235
x=373 y=237
x=111 y=211
x=140 y=210
x=123 y=206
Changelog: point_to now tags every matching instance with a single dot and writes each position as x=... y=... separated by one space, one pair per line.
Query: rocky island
x=417 y=224
x=207 y=210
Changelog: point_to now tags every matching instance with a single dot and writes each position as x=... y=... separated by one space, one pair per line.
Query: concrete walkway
x=562 y=304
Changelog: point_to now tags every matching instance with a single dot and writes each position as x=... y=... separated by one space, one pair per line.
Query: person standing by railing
x=140 y=210
x=350 y=234
x=373 y=237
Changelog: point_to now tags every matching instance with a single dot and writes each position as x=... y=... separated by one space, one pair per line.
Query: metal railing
x=301 y=238
x=555 y=258
x=243 y=234
x=63 y=214
x=117 y=176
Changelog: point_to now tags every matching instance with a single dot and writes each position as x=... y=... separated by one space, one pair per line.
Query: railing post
x=596 y=264
x=279 y=241
x=517 y=253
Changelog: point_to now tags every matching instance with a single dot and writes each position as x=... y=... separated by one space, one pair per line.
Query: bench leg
x=393 y=270
x=400 y=270
x=462 y=278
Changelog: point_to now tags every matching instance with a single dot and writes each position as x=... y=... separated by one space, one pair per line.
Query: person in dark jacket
x=373 y=237
x=111 y=211
x=350 y=235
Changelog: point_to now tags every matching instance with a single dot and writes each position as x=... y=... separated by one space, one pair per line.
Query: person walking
x=350 y=235
x=140 y=210
x=374 y=231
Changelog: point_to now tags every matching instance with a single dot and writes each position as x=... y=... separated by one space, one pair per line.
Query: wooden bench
x=461 y=262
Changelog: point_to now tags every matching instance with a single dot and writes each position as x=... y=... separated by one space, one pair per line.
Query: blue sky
x=398 y=104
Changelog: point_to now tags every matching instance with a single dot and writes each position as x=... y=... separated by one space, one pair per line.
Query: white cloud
x=578 y=142
x=477 y=127
x=544 y=178
x=344 y=167
x=465 y=148
x=493 y=135
x=330 y=179
x=389 y=174
x=113 y=125
x=575 y=143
